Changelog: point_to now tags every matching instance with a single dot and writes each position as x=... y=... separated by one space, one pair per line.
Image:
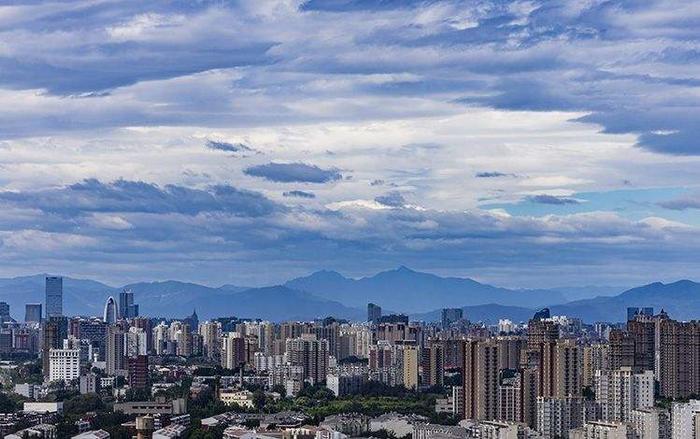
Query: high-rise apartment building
x=54 y=296
x=211 y=340
x=601 y=430
x=312 y=354
x=650 y=423
x=233 y=351
x=115 y=356
x=679 y=352
x=556 y=417
x=634 y=311
x=620 y=391
x=32 y=313
x=481 y=373
x=561 y=369
x=410 y=367
x=138 y=372
x=595 y=357
x=684 y=419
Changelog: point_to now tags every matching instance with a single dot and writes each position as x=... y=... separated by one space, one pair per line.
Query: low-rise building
x=242 y=398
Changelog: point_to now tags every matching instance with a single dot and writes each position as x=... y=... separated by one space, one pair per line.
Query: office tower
x=679 y=352
x=54 y=331
x=620 y=391
x=64 y=364
x=684 y=416
x=542 y=314
x=634 y=311
x=374 y=312
x=410 y=367
x=54 y=296
x=595 y=357
x=450 y=316
x=650 y=423
x=127 y=308
x=32 y=313
x=192 y=321
x=94 y=330
x=601 y=430
x=115 y=356
x=5 y=341
x=111 y=311
x=481 y=369
x=556 y=417
x=311 y=354
x=233 y=351
x=138 y=372
x=4 y=312
x=561 y=371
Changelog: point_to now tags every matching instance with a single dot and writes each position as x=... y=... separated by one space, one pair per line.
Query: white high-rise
x=683 y=419
x=64 y=364
x=620 y=391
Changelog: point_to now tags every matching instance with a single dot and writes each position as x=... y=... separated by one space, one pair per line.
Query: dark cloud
x=682 y=203
x=299 y=194
x=391 y=199
x=552 y=199
x=494 y=174
x=228 y=147
x=91 y=196
x=293 y=173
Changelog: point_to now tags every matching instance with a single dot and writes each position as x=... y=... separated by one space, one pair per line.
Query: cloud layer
x=248 y=141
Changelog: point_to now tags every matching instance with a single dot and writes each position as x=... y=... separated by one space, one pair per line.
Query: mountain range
x=325 y=293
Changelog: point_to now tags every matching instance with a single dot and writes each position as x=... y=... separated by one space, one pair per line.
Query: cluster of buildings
x=549 y=377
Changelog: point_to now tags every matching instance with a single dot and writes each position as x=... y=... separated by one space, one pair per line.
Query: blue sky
x=522 y=143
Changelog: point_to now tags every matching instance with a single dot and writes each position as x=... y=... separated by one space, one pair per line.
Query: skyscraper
x=111 y=313
x=127 y=308
x=54 y=296
x=115 y=355
x=450 y=316
x=4 y=311
x=374 y=312
x=32 y=312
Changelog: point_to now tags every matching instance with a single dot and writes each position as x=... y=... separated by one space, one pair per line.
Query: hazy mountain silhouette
x=329 y=293
x=406 y=290
x=680 y=299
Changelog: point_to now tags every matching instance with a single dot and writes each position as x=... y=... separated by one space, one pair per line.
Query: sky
x=520 y=143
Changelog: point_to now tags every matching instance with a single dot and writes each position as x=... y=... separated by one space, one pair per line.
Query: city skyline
x=513 y=142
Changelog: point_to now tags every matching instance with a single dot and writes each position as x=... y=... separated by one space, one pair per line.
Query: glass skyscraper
x=54 y=296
